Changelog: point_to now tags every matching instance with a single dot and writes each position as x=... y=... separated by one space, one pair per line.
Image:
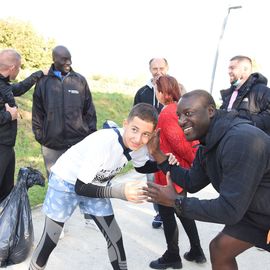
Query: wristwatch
x=178 y=205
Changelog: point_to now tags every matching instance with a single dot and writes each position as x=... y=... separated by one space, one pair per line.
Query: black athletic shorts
x=247 y=232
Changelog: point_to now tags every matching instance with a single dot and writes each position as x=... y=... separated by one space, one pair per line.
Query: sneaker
x=195 y=254
x=157 y=222
x=165 y=262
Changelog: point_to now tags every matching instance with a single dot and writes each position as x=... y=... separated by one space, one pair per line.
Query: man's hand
x=164 y=195
x=13 y=111
x=134 y=192
x=154 y=148
x=172 y=159
x=45 y=71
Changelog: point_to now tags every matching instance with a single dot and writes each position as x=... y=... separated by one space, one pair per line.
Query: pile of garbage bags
x=16 y=227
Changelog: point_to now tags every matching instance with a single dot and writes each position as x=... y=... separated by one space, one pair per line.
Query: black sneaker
x=195 y=254
x=157 y=222
x=165 y=262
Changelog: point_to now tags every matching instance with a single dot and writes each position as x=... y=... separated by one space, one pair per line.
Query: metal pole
x=219 y=42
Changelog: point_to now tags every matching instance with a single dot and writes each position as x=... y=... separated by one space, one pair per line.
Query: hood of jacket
x=220 y=124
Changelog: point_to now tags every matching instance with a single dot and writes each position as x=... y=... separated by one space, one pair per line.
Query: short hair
x=241 y=58
x=208 y=99
x=165 y=60
x=145 y=112
x=169 y=87
x=60 y=49
x=9 y=57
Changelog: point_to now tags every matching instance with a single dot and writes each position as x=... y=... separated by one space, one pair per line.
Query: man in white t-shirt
x=82 y=177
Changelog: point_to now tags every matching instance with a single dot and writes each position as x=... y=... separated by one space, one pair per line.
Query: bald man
x=63 y=111
x=10 y=64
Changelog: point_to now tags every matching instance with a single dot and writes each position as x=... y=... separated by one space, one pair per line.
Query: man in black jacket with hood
x=10 y=64
x=234 y=156
x=248 y=94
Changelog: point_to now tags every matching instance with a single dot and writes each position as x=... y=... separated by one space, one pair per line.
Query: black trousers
x=7 y=170
x=171 y=229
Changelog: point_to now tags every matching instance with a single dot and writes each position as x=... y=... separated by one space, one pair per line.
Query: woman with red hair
x=172 y=140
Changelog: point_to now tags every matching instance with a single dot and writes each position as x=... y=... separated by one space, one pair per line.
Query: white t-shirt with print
x=97 y=159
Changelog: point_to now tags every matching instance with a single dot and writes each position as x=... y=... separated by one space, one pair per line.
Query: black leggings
x=52 y=230
x=171 y=229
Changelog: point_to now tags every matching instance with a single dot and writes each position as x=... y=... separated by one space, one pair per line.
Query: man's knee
x=216 y=247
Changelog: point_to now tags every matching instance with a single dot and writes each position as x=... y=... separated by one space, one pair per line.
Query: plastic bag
x=16 y=227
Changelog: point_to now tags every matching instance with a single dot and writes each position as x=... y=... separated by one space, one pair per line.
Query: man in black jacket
x=234 y=157
x=146 y=94
x=248 y=94
x=10 y=63
x=63 y=111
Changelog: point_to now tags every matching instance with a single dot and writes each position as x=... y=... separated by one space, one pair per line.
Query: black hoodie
x=236 y=161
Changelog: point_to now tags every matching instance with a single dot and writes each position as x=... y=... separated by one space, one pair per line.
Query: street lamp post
x=219 y=42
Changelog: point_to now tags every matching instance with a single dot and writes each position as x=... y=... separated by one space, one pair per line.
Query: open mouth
x=187 y=130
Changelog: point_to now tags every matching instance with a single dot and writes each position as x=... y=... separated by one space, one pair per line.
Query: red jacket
x=172 y=140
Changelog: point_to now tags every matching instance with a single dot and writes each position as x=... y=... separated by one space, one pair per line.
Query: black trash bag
x=16 y=227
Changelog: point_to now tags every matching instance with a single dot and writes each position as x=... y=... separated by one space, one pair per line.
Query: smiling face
x=62 y=59
x=158 y=67
x=239 y=69
x=137 y=133
x=194 y=116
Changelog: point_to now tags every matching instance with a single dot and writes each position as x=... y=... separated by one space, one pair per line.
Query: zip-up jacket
x=146 y=94
x=252 y=102
x=63 y=112
x=235 y=159
x=8 y=128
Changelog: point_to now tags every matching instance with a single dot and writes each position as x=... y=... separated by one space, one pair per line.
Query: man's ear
x=211 y=110
x=125 y=123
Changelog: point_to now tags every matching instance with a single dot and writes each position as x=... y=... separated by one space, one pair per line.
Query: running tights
x=52 y=230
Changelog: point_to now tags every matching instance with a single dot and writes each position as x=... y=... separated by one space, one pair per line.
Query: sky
x=119 y=37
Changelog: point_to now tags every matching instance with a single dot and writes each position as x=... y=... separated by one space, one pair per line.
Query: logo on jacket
x=73 y=91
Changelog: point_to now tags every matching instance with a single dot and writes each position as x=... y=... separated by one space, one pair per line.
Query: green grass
x=113 y=106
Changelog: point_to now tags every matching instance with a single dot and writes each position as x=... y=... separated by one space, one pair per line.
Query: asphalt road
x=84 y=248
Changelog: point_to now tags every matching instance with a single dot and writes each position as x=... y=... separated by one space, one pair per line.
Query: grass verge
x=113 y=106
